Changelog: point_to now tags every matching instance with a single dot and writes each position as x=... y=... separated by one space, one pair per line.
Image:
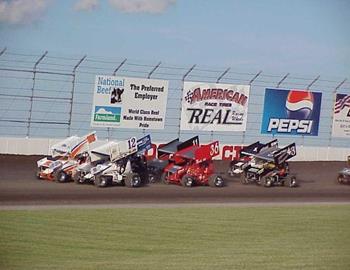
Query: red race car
x=193 y=165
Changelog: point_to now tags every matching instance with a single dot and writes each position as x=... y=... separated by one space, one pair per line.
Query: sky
x=308 y=37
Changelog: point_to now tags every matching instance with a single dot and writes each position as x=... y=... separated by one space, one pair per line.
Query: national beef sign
x=129 y=102
x=214 y=107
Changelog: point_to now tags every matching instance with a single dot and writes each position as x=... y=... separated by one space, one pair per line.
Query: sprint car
x=66 y=156
x=266 y=165
x=119 y=162
x=192 y=165
x=165 y=152
x=344 y=174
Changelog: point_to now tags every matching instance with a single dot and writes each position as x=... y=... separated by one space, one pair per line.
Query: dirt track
x=19 y=186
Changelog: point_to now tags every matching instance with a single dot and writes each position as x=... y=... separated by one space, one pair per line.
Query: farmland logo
x=294 y=112
x=107 y=114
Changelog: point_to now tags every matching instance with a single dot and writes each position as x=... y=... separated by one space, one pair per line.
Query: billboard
x=291 y=112
x=129 y=102
x=214 y=107
x=341 y=116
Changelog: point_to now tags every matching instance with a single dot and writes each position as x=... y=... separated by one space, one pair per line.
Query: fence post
x=222 y=75
x=282 y=80
x=332 y=116
x=72 y=94
x=114 y=73
x=182 y=90
x=250 y=85
x=32 y=94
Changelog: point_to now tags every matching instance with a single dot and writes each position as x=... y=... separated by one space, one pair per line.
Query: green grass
x=312 y=237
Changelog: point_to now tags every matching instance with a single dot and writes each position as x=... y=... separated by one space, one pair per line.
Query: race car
x=193 y=165
x=119 y=162
x=165 y=152
x=246 y=154
x=344 y=174
x=268 y=166
x=66 y=156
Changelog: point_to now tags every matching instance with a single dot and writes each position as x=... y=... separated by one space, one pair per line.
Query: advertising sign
x=214 y=107
x=129 y=102
x=341 y=116
x=291 y=112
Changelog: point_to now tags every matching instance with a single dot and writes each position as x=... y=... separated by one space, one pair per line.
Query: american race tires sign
x=129 y=102
x=214 y=107
x=291 y=112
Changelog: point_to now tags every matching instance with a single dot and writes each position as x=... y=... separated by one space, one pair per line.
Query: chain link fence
x=49 y=95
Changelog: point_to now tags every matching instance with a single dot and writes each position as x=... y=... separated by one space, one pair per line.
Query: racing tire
x=60 y=176
x=266 y=181
x=38 y=170
x=152 y=178
x=341 y=179
x=101 y=181
x=292 y=181
x=187 y=180
x=243 y=179
x=132 y=180
x=77 y=178
x=216 y=181
x=164 y=179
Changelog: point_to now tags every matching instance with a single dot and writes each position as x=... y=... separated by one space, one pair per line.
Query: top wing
x=73 y=146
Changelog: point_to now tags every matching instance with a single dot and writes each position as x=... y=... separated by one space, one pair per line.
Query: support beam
x=188 y=72
x=282 y=80
x=32 y=94
x=3 y=51
x=153 y=70
x=72 y=94
x=340 y=85
x=254 y=78
x=118 y=67
x=182 y=90
x=315 y=80
x=222 y=75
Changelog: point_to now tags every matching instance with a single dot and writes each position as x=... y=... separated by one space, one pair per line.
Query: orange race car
x=66 y=156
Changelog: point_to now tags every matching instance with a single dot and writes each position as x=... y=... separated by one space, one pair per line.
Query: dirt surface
x=19 y=186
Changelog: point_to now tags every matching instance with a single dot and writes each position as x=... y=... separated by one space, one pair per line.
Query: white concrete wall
x=41 y=146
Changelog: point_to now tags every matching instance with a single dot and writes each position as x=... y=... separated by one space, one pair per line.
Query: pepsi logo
x=299 y=104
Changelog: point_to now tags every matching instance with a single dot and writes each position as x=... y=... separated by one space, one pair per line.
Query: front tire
x=187 y=180
x=78 y=178
x=60 y=177
x=266 y=181
x=101 y=181
x=164 y=178
x=243 y=179
x=216 y=181
x=132 y=180
x=341 y=179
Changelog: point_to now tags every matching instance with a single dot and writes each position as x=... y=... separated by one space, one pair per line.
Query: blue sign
x=291 y=112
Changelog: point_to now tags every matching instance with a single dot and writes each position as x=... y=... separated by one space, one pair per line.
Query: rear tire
x=216 y=181
x=187 y=180
x=60 y=176
x=132 y=180
x=292 y=181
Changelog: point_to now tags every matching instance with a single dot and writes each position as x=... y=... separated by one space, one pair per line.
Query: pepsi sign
x=292 y=112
